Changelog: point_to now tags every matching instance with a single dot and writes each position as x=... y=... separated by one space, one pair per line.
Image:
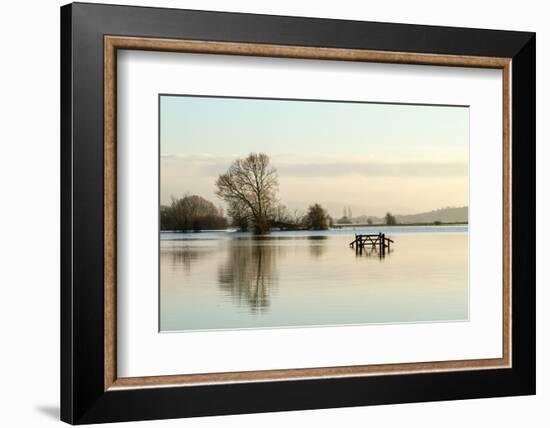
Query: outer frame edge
x=521 y=376
x=66 y=304
x=524 y=213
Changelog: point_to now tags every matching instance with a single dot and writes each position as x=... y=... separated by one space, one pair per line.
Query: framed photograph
x=266 y=213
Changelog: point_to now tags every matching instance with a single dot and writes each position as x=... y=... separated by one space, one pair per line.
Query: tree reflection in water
x=250 y=273
x=317 y=246
x=185 y=257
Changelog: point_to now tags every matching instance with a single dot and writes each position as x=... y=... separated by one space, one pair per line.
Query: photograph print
x=286 y=213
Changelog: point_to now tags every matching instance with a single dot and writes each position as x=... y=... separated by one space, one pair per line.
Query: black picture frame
x=83 y=398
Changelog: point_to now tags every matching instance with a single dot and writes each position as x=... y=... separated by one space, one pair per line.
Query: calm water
x=230 y=280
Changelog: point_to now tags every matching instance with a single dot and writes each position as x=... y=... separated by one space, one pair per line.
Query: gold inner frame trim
x=113 y=43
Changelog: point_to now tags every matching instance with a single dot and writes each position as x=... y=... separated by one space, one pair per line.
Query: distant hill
x=443 y=215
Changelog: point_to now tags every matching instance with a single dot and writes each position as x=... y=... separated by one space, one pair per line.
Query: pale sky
x=373 y=158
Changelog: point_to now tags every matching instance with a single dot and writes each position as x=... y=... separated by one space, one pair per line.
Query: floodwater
x=231 y=280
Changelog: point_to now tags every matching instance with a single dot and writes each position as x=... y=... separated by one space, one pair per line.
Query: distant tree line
x=448 y=215
x=249 y=187
x=389 y=219
x=191 y=213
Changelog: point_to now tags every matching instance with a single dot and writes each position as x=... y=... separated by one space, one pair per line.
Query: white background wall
x=29 y=215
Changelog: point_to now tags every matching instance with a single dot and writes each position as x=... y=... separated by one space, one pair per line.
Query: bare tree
x=239 y=214
x=281 y=214
x=249 y=187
